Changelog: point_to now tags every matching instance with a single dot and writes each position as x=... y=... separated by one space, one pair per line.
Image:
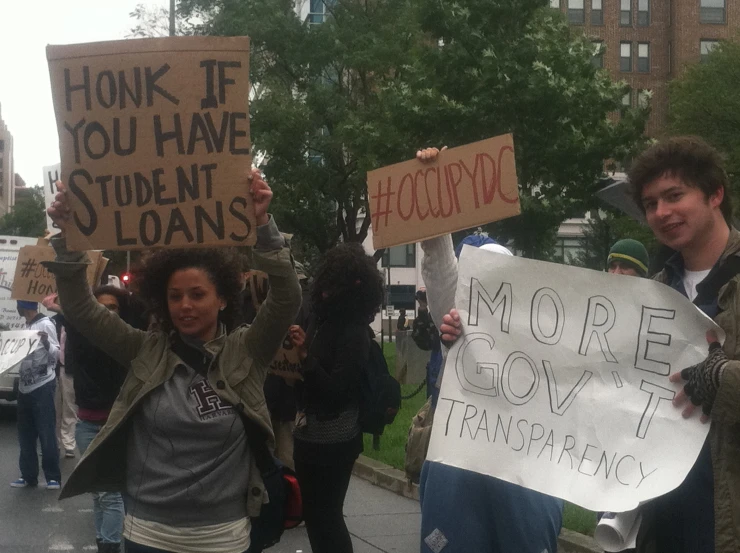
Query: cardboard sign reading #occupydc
x=464 y=187
x=559 y=382
x=155 y=144
x=33 y=282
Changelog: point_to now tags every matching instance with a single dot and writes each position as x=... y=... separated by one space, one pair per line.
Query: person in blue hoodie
x=464 y=511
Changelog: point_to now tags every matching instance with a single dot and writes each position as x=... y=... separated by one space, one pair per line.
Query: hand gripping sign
x=559 y=382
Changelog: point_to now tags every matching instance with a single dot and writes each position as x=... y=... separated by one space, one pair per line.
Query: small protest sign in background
x=155 y=143
x=560 y=381
x=15 y=345
x=33 y=282
x=287 y=363
x=465 y=187
x=51 y=174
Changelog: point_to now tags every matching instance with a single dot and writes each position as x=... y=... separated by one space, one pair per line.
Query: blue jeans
x=463 y=511
x=37 y=421
x=107 y=506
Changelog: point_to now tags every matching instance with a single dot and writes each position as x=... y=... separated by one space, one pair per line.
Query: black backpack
x=380 y=393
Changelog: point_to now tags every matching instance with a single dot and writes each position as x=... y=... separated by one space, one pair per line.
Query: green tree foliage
x=704 y=101
x=380 y=78
x=27 y=217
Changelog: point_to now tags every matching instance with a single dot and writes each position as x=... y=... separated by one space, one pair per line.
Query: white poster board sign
x=51 y=174
x=560 y=381
x=15 y=345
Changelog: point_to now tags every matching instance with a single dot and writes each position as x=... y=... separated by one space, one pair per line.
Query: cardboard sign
x=33 y=282
x=559 y=382
x=287 y=363
x=51 y=174
x=465 y=187
x=15 y=345
x=155 y=142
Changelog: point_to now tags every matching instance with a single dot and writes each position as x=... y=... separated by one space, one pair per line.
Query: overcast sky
x=25 y=93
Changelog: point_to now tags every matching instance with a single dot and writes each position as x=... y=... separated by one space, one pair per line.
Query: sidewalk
x=379 y=520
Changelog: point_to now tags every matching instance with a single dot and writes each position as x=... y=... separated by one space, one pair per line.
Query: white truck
x=9 y=318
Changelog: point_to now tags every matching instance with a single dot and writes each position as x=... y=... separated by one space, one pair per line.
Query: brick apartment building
x=648 y=42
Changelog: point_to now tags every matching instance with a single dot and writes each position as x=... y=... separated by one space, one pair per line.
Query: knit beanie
x=475 y=240
x=631 y=252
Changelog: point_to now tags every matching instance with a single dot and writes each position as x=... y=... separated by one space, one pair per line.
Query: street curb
x=394 y=480
x=385 y=476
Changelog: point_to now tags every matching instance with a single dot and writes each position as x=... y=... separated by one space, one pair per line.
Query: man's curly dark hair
x=352 y=284
x=222 y=266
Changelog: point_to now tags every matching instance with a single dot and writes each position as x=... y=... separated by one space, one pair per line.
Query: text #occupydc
x=155 y=143
x=560 y=381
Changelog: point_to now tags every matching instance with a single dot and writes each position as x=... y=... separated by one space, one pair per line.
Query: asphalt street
x=33 y=520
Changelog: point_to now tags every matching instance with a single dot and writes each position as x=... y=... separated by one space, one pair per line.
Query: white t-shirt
x=691 y=279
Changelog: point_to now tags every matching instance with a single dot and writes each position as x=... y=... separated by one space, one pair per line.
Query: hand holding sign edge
x=59 y=210
x=261 y=196
x=706 y=374
x=451 y=327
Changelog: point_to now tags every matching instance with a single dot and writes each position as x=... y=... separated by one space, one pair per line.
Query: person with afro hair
x=347 y=294
x=175 y=442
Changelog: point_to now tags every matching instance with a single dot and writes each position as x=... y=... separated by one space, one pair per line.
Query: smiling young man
x=684 y=192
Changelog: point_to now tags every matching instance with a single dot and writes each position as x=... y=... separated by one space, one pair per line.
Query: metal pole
x=390 y=322
x=128 y=261
x=384 y=306
x=172 y=17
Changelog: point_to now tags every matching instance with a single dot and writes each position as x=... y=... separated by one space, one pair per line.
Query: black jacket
x=97 y=377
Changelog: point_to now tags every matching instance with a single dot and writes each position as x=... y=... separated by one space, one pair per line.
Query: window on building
x=712 y=11
x=400 y=256
x=402 y=296
x=317 y=12
x=597 y=12
x=567 y=250
x=625 y=13
x=643 y=57
x=706 y=47
x=598 y=58
x=576 y=13
x=555 y=4
x=643 y=13
x=625 y=56
x=2 y=146
x=643 y=98
x=626 y=102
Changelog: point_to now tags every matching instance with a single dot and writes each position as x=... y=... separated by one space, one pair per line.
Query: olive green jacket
x=237 y=373
x=724 y=432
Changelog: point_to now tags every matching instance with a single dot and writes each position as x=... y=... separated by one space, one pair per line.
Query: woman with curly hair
x=346 y=296
x=175 y=442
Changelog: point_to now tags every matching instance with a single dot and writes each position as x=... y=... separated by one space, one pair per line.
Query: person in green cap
x=628 y=257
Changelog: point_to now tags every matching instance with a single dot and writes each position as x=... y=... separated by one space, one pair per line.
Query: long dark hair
x=222 y=266
x=348 y=285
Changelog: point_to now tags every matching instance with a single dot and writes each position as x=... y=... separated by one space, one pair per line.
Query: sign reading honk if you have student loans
x=560 y=381
x=154 y=140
